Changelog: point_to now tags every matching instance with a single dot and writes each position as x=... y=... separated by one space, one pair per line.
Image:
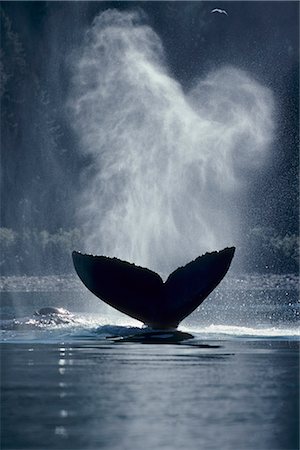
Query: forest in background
x=41 y=163
x=32 y=252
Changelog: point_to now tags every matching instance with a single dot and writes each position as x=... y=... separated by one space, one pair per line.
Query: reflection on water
x=238 y=394
x=69 y=384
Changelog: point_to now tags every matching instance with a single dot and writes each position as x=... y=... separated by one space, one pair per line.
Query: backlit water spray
x=165 y=165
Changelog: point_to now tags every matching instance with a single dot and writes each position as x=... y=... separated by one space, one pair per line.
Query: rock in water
x=51 y=310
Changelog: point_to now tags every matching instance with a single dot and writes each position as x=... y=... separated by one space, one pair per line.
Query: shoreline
x=71 y=283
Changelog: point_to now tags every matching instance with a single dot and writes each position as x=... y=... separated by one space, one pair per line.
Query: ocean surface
x=92 y=379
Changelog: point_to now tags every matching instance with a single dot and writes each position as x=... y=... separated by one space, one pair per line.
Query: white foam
x=242 y=331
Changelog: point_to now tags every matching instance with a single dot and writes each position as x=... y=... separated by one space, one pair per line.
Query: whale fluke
x=142 y=294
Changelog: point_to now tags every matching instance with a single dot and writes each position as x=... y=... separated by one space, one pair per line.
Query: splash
x=221 y=331
x=165 y=164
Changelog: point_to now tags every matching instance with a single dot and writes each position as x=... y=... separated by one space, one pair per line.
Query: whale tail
x=142 y=294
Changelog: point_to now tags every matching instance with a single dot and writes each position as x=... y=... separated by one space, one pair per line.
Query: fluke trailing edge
x=142 y=294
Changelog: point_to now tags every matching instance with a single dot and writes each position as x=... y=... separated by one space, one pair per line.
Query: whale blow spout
x=142 y=294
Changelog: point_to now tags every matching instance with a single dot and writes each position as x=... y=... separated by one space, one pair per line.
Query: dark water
x=67 y=385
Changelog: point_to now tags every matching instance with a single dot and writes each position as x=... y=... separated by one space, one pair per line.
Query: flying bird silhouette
x=220 y=11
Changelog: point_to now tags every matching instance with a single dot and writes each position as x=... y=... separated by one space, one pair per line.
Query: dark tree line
x=40 y=167
x=33 y=252
x=271 y=251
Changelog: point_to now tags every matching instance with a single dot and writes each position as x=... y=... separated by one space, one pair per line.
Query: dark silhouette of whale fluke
x=142 y=294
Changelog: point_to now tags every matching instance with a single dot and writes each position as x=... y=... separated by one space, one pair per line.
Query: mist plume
x=165 y=164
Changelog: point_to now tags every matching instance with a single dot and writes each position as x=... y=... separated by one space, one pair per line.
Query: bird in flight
x=220 y=11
